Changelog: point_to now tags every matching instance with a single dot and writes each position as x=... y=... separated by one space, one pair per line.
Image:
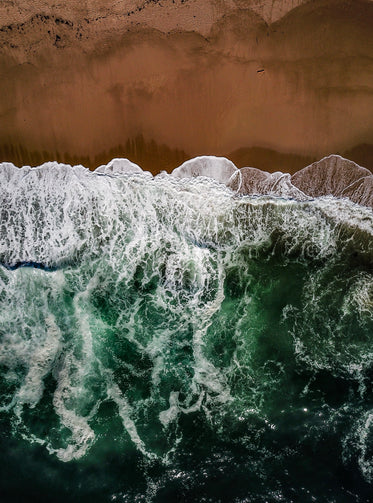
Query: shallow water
x=169 y=340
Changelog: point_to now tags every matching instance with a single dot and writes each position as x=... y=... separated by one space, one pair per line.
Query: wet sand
x=259 y=82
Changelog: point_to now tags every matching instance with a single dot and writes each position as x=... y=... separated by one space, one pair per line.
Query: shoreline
x=155 y=157
x=332 y=175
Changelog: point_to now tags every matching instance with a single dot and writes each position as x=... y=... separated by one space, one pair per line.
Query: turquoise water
x=166 y=340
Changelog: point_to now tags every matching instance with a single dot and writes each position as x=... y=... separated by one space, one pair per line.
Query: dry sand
x=271 y=84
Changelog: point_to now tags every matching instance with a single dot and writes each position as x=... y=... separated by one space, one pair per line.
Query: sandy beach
x=274 y=85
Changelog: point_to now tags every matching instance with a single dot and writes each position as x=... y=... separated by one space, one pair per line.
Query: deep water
x=166 y=340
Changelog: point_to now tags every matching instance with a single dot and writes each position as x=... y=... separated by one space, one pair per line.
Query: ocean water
x=169 y=340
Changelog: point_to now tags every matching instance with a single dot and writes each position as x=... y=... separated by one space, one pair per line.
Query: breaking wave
x=210 y=337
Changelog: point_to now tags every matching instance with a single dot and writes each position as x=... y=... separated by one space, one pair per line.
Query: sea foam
x=178 y=295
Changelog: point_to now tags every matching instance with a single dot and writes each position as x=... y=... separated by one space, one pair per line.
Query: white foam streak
x=41 y=363
x=70 y=393
x=207 y=377
x=29 y=334
x=364 y=436
x=125 y=412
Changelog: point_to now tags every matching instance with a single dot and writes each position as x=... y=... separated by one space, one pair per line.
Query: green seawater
x=168 y=341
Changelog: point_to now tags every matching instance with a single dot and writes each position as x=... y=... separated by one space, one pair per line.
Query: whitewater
x=204 y=335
